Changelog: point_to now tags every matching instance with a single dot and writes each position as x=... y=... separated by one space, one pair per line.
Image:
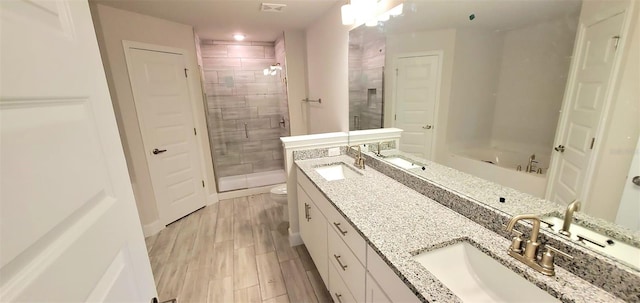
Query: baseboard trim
x=212 y=199
x=295 y=239
x=152 y=228
x=245 y=192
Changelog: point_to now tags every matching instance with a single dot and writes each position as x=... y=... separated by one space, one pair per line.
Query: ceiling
x=219 y=19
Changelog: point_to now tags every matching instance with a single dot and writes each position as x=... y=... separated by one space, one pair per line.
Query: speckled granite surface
x=601 y=271
x=398 y=221
x=516 y=202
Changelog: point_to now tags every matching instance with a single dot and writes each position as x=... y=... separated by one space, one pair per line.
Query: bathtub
x=500 y=166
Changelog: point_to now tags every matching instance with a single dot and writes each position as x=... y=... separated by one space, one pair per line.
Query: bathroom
x=279 y=110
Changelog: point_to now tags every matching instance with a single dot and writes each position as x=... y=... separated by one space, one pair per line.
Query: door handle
x=427 y=127
x=158 y=151
x=559 y=148
x=636 y=180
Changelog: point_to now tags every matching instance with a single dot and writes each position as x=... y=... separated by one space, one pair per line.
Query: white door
x=416 y=97
x=69 y=228
x=586 y=101
x=629 y=210
x=161 y=95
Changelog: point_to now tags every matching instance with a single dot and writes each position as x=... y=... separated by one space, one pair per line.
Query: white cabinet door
x=374 y=293
x=313 y=230
x=69 y=228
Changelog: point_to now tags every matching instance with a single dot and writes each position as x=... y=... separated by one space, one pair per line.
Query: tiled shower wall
x=366 y=74
x=245 y=107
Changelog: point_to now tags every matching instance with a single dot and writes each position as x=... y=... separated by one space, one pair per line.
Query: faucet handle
x=549 y=248
x=546 y=261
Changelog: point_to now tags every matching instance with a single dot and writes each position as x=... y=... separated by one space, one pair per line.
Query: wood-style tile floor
x=234 y=251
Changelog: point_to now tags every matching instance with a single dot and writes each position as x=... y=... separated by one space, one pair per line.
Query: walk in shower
x=247 y=111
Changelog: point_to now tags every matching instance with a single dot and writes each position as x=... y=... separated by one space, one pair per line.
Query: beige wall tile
x=245 y=51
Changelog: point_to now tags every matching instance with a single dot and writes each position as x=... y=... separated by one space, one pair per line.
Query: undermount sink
x=623 y=252
x=338 y=171
x=474 y=276
x=402 y=163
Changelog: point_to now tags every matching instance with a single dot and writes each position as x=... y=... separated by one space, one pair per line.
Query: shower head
x=272 y=69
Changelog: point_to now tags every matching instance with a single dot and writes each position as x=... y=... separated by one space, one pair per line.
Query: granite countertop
x=399 y=222
x=517 y=202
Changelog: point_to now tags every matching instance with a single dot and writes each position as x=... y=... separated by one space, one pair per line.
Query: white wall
x=527 y=111
x=327 y=73
x=296 y=64
x=113 y=26
x=473 y=87
x=439 y=40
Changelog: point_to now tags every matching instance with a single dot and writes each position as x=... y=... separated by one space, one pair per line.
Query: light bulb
x=347 y=14
x=371 y=22
x=239 y=37
x=396 y=11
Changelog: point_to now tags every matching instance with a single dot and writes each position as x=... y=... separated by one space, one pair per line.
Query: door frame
x=127 y=46
x=436 y=108
x=627 y=9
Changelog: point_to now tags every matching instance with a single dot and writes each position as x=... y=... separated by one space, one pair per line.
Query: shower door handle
x=158 y=151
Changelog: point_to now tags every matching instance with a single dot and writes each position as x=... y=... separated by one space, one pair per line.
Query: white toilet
x=279 y=193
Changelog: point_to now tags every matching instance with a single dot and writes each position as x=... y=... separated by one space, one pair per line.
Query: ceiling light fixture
x=239 y=37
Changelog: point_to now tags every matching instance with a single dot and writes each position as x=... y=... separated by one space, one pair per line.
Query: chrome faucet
x=359 y=162
x=528 y=256
x=531 y=167
x=568 y=217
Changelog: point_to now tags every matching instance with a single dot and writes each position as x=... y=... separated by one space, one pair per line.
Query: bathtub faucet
x=531 y=167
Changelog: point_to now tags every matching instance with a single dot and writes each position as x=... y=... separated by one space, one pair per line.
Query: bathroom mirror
x=494 y=73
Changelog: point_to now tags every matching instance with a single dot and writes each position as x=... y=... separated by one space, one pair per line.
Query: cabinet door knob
x=427 y=127
x=636 y=180
x=559 y=148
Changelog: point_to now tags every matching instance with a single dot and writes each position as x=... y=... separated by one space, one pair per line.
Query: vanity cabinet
x=389 y=282
x=341 y=254
x=313 y=230
x=374 y=293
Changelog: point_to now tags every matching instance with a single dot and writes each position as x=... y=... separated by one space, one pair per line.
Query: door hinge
x=202 y=183
x=617 y=38
x=395 y=117
x=195 y=133
x=396 y=71
x=185 y=72
x=593 y=140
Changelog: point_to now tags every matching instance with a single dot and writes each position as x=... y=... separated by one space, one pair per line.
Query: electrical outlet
x=335 y=151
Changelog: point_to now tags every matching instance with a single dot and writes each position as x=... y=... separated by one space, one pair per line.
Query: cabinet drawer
x=338 y=289
x=314 y=193
x=388 y=280
x=346 y=232
x=347 y=265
